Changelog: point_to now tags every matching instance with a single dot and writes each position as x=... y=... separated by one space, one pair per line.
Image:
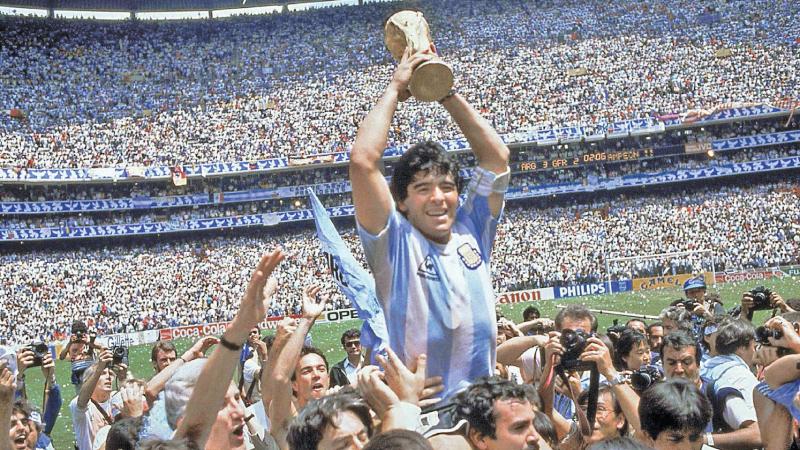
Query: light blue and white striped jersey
x=438 y=299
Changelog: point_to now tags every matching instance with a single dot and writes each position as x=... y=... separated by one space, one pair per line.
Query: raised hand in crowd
x=214 y=385
x=133 y=398
x=300 y=373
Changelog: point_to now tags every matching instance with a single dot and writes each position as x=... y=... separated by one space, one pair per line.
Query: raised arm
x=215 y=379
x=87 y=388
x=280 y=409
x=510 y=352
x=371 y=195
x=490 y=151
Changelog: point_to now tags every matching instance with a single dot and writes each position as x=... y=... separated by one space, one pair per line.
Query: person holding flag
x=429 y=253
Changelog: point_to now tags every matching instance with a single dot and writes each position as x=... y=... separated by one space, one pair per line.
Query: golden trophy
x=431 y=80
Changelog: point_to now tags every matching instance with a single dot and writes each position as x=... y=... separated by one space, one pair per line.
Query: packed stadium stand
x=144 y=166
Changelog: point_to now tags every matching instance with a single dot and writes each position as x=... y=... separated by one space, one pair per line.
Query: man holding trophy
x=428 y=253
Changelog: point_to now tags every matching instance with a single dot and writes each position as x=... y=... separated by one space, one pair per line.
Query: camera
x=39 y=350
x=645 y=376
x=574 y=343
x=120 y=353
x=763 y=334
x=761 y=297
x=690 y=305
x=616 y=328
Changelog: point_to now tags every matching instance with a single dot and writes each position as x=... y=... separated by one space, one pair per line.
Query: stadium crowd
x=658 y=60
x=551 y=244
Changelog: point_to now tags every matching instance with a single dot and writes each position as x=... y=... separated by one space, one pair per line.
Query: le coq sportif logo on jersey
x=427 y=269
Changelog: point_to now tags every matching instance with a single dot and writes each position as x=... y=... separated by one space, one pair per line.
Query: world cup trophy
x=431 y=80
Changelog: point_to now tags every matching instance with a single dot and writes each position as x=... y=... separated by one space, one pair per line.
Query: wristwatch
x=617 y=380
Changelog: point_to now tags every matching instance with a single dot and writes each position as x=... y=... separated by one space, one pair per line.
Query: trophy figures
x=431 y=80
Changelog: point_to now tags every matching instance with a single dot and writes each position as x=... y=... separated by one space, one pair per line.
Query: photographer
x=32 y=356
x=776 y=397
x=91 y=409
x=732 y=384
x=80 y=351
x=618 y=396
x=761 y=298
x=703 y=305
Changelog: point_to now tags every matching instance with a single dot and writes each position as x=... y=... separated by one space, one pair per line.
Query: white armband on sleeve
x=485 y=182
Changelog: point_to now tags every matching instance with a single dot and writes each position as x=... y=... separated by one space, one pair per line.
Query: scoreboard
x=598 y=157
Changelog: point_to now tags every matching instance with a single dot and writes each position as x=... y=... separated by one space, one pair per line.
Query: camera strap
x=105 y=415
x=585 y=420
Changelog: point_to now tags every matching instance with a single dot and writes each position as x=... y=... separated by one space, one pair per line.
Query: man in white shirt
x=91 y=409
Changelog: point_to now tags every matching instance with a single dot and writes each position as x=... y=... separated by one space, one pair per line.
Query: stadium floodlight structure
x=700 y=261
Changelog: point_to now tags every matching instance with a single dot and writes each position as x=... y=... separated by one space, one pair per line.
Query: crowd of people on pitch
x=122 y=288
x=697 y=377
x=216 y=91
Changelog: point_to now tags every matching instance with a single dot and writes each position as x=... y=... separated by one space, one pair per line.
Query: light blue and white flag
x=354 y=282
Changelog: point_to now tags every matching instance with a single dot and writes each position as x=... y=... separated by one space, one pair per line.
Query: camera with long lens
x=39 y=350
x=120 y=354
x=574 y=343
x=761 y=297
x=645 y=376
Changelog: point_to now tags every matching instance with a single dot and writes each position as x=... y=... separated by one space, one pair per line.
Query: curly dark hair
x=427 y=156
x=476 y=403
x=306 y=430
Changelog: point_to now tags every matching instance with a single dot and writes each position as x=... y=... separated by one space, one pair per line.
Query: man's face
x=678 y=440
x=608 y=423
x=655 y=337
x=571 y=323
x=228 y=429
x=22 y=433
x=311 y=378
x=349 y=433
x=513 y=427
x=638 y=326
x=681 y=362
x=696 y=294
x=431 y=205
x=352 y=346
x=105 y=384
x=639 y=356
x=669 y=326
x=164 y=358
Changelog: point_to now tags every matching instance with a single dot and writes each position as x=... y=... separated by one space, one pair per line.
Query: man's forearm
x=748 y=437
x=87 y=388
x=373 y=132
x=212 y=384
x=782 y=371
x=511 y=350
x=489 y=149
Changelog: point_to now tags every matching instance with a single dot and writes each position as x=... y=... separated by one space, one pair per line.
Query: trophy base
x=431 y=81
